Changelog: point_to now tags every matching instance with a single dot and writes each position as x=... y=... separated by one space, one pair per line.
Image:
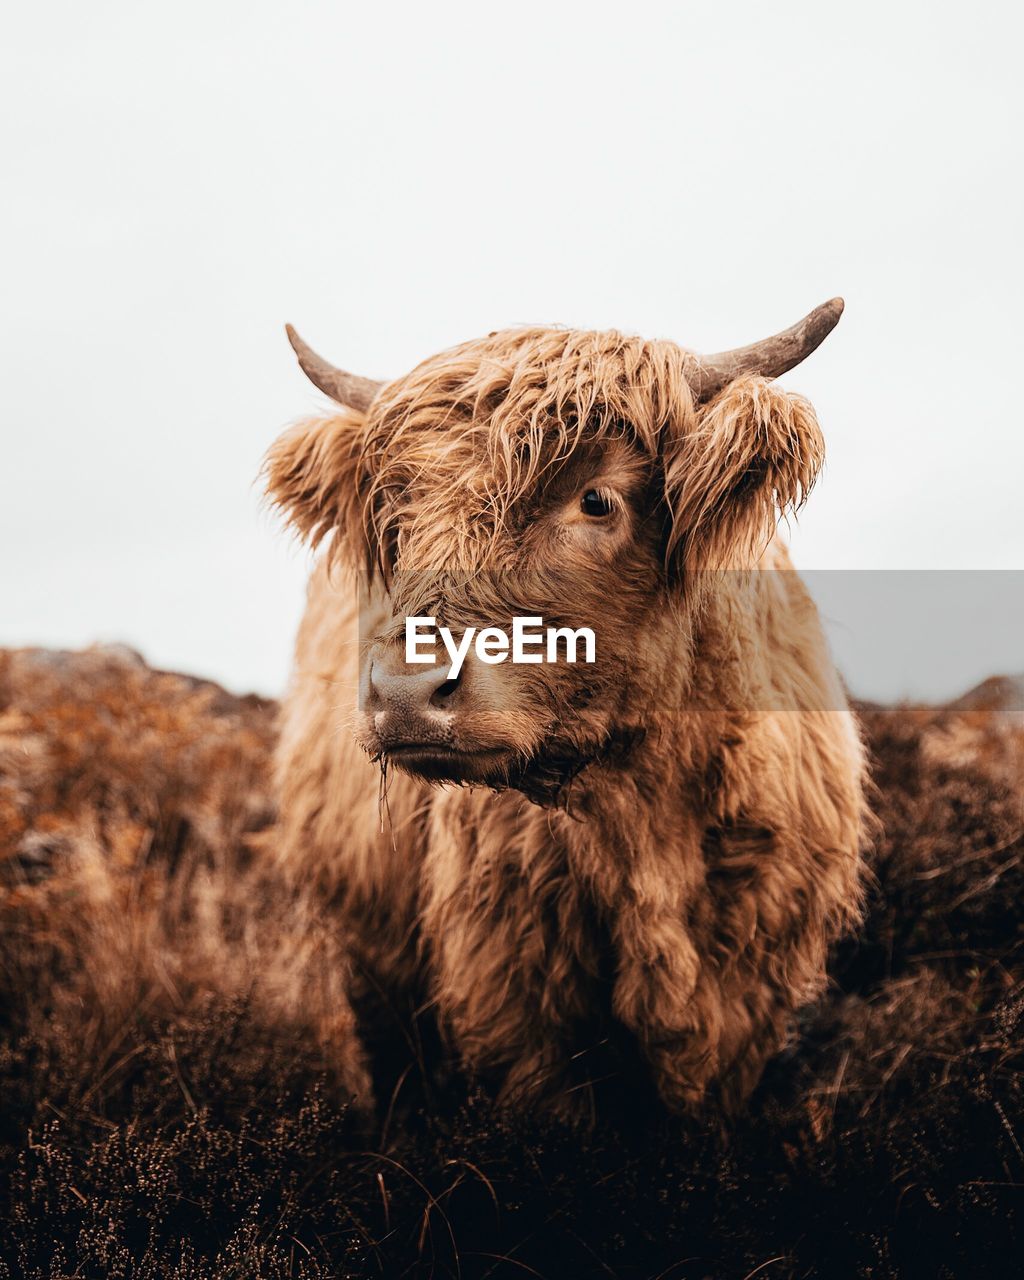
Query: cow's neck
x=620 y=816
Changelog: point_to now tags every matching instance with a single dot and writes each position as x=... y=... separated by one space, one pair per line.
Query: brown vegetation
x=177 y=1057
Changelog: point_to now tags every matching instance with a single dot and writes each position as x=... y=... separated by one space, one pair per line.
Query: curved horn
x=347 y=388
x=770 y=357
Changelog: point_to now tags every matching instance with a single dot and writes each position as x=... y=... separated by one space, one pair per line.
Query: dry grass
x=177 y=1058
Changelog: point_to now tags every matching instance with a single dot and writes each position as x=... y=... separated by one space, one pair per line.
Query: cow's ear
x=749 y=456
x=312 y=474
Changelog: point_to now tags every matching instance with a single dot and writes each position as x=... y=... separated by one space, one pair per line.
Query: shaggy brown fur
x=686 y=885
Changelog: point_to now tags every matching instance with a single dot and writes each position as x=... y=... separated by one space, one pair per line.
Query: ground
x=177 y=1055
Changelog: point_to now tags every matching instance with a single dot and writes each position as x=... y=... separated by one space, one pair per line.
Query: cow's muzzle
x=412 y=719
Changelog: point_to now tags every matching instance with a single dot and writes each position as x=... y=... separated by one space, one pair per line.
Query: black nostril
x=444 y=691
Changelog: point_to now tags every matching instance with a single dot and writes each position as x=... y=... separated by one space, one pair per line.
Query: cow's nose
x=411 y=693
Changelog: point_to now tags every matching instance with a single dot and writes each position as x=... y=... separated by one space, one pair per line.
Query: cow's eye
x=595 y=503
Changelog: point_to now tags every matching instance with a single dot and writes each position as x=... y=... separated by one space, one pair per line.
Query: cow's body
x=684 y=887
x=716 y=865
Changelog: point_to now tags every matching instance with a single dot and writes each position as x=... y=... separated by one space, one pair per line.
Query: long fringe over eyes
x=523 y=400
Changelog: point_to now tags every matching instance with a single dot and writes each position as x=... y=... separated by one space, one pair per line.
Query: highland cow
x=658 y=847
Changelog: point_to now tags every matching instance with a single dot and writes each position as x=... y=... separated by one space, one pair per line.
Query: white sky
x=182 y=179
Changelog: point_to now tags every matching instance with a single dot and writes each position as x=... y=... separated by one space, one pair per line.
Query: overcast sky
x=182 y=179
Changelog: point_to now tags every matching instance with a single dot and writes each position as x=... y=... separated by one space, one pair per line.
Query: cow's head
x=590 y=479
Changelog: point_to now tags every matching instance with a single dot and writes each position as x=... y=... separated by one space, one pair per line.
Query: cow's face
x=539 y=474
x=580 y=550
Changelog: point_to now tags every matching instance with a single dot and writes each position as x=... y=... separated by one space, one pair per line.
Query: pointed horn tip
x=822 y=320
x=834 y=306
x=345 y=388
x=819 y=323
x=307 y=357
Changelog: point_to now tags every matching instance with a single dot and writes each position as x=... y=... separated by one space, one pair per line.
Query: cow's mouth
x=547 y=776
x=439 y=762
x=543 y=777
